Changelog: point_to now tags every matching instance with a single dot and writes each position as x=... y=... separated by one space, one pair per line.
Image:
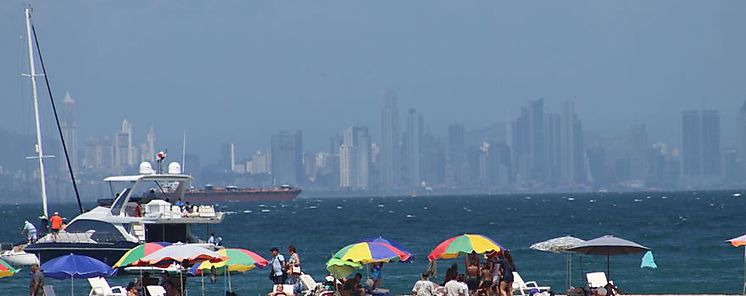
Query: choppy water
x=685 y=230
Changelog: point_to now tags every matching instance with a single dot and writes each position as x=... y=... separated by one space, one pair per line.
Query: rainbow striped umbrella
x=464 y=244
x=6 y=270
x=240 y=260
x=371 y=252
x=136 y=253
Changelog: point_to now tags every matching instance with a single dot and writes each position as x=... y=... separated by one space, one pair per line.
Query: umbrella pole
x=230 y=287
x=608 y=270
x=203 y=284
x=569 y=270
x=744 y=272
x=72 y=286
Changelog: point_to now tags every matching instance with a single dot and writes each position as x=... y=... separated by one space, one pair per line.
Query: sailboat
x=17 y=256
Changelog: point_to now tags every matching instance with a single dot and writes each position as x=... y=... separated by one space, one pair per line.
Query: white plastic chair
x=100 y=287
x=596 y=279
x=524 y=287
x=156 y=290
x=48 y=290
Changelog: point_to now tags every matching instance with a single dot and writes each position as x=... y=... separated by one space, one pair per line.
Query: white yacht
x=143 y=208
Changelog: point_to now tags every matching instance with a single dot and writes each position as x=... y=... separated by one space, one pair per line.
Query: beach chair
x=523 y=287
x=596 y=279
x=48 y=290
x=310 y=286
x=100 y=287
x=156 y=290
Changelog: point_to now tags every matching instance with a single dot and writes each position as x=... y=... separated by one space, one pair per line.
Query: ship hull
x=108 y=253
x=238 y=196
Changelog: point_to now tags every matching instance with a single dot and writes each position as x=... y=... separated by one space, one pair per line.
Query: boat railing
x=165 y=210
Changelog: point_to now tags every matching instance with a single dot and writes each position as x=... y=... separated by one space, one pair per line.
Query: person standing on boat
x=36 y=288
x=56 y=221
x=30 y=231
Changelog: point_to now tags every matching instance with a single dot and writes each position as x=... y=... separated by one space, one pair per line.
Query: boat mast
x=39 y=150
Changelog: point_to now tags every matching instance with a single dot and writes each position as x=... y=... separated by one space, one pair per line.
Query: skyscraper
x=638 y=153
x=741 y=130
x=711 y=154
x=537 y=160
x=124 y=152
x=701 y=143
x=456 y=169
x=150 y=144
x=354 y=158
x=70 y=130
x=227 y=157
x=572 y=159
x=553 y=153
x=389 y=142
x=287 y=158
x=691 y=148
x=413 y=149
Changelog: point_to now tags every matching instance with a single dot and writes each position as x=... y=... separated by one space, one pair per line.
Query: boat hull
x=107 y=253
x=208 y=196
x=19 y=258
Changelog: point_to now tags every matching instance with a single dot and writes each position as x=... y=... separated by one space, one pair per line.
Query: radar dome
x=146 y=168
x=174 y=168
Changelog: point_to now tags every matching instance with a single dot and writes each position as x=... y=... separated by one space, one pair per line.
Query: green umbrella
x=342 y=268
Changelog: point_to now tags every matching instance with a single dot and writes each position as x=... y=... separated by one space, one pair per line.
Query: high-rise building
x=434 y=162
x=457 y=167
x=519 y=146
x=711 y=153
x=259 y=163
x=99 y=154
x=413 y=149
x=150 y=143
x=124 y=152
x=572 y=159
x=701 y=143
x=691 y=148
x=553 y=152
x=741 y=130
x=537 y=147
x=227 y=157
x=639 y=151
x=390 y=142
x=287 y=158
x=355 y=158
x=70 y=130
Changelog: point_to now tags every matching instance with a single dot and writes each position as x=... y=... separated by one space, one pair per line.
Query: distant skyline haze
x=240 y=71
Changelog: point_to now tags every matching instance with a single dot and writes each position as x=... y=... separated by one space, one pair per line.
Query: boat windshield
x=145 y=191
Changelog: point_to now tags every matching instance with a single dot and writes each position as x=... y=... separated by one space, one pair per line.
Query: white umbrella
x=180 y=253
x=560 y=245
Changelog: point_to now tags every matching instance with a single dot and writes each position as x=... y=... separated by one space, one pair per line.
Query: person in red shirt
x=56 y=221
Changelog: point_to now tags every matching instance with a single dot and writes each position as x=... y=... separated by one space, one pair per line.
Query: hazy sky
x=241 y=70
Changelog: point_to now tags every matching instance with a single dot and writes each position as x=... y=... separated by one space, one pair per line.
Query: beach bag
x=295 y=270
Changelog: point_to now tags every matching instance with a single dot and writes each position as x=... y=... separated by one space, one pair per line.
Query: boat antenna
x=39 y=150
x=56 y=117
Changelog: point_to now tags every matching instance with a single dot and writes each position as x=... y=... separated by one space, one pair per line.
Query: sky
x=239 y=71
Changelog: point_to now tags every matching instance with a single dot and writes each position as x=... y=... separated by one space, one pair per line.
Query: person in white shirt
x=30 y=231
x=423 y=287
x=462 y=280
x=454 y=288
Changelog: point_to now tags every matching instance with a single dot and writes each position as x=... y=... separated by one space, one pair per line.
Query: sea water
x=685 y=230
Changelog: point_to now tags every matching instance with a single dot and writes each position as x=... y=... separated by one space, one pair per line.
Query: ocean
x=685 y=230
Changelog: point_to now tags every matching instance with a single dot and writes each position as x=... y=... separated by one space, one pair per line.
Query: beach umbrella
x=464 y=244
x=179 y=253
x=239 y=260
x=370 y=252
x=341 y=268
x=6 y=270
x=560 y=245
x=739 y=242
x=380 y=239
x=75 y=267
x=137 y=253
x=609 y=245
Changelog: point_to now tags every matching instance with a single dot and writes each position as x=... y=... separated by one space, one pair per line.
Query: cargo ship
x=234 y=194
